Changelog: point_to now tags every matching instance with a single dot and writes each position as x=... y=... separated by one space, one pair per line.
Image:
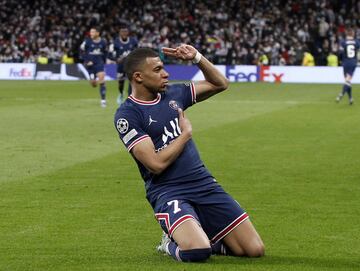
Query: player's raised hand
x=184 y=52
x=185 y=125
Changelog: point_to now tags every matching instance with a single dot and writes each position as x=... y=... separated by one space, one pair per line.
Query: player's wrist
x=197 y=57
x=186 y=134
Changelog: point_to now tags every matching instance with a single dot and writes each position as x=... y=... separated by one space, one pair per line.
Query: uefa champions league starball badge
x=122 y=125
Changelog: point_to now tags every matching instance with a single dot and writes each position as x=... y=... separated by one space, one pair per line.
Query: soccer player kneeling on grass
x=197 y=216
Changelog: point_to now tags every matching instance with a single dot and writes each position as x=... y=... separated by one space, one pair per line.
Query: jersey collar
x=155 y=101
x=124 y=41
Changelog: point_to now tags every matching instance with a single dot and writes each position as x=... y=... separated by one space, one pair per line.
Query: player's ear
x=137 y=77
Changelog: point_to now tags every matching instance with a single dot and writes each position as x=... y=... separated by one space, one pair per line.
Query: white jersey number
x=350 y=51
x=176 y=205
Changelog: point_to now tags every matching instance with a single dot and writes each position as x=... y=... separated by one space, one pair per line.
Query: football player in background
x=348 y=50
x=94 y=51
x=197 y=216
x=119 y=49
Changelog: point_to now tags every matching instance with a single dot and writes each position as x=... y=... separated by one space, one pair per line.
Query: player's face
x=94 y=34
x=155 y=78
x=124 y=33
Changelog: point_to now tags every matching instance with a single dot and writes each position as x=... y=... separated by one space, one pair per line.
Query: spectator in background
x=67 y=57
x=263 y=59
x=282 y=61
x=332 y=60
x=26 y=27
x=42 y=58
x=308 y=59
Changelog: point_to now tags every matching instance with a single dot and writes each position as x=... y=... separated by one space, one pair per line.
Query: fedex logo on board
x=24 y=72
x=252 y=74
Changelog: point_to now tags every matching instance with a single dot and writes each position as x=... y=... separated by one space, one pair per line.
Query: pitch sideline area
x=71 y=197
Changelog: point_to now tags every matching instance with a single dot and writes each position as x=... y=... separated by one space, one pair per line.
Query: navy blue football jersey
x=122 y=48
x=349 y=49
x=95 y=52
x=158 y=120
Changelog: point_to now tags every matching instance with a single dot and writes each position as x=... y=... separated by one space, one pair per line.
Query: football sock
x=344 y=90
x=350 y=92
x=220 y=249
x=195 y=255
x=121 y=86
x=347 y=89
x=102 y=91
x=191 y=255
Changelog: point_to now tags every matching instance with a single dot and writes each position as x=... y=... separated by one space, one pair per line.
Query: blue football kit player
x=197 y=216
x=94 y=56
x=348 y=50
x=121 y=47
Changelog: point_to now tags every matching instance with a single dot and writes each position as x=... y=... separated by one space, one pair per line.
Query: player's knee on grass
x=257 y=250
x=253 y=249
x=189 y=244
x=195 y=255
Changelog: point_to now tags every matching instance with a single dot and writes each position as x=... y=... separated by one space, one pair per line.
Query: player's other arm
x=85 y=54
x=105 y=51
x=157 y=162
x=112 y=53
x=214 y=81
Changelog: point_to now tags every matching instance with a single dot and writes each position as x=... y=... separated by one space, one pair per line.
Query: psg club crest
x=122 y=126
x=174 y=105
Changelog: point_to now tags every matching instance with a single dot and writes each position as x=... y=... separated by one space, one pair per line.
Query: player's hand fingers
x=169 y=51
x=183 y=53
x=183 y=49
x=170 y=54
x=181 y=113
x=185 y=124
x=187 y=52
x=192 y=51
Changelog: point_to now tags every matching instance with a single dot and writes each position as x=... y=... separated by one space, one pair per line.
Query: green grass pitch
x=71 y=197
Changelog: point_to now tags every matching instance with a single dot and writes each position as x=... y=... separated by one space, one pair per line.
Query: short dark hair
x=349 y=32
x=136 y=58
x=123 y=26
x=96 y=28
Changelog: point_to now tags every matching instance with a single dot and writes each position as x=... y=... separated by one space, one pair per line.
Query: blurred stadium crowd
x=228 y=32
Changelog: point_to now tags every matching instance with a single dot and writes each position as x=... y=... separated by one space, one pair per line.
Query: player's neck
x=144 y=95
